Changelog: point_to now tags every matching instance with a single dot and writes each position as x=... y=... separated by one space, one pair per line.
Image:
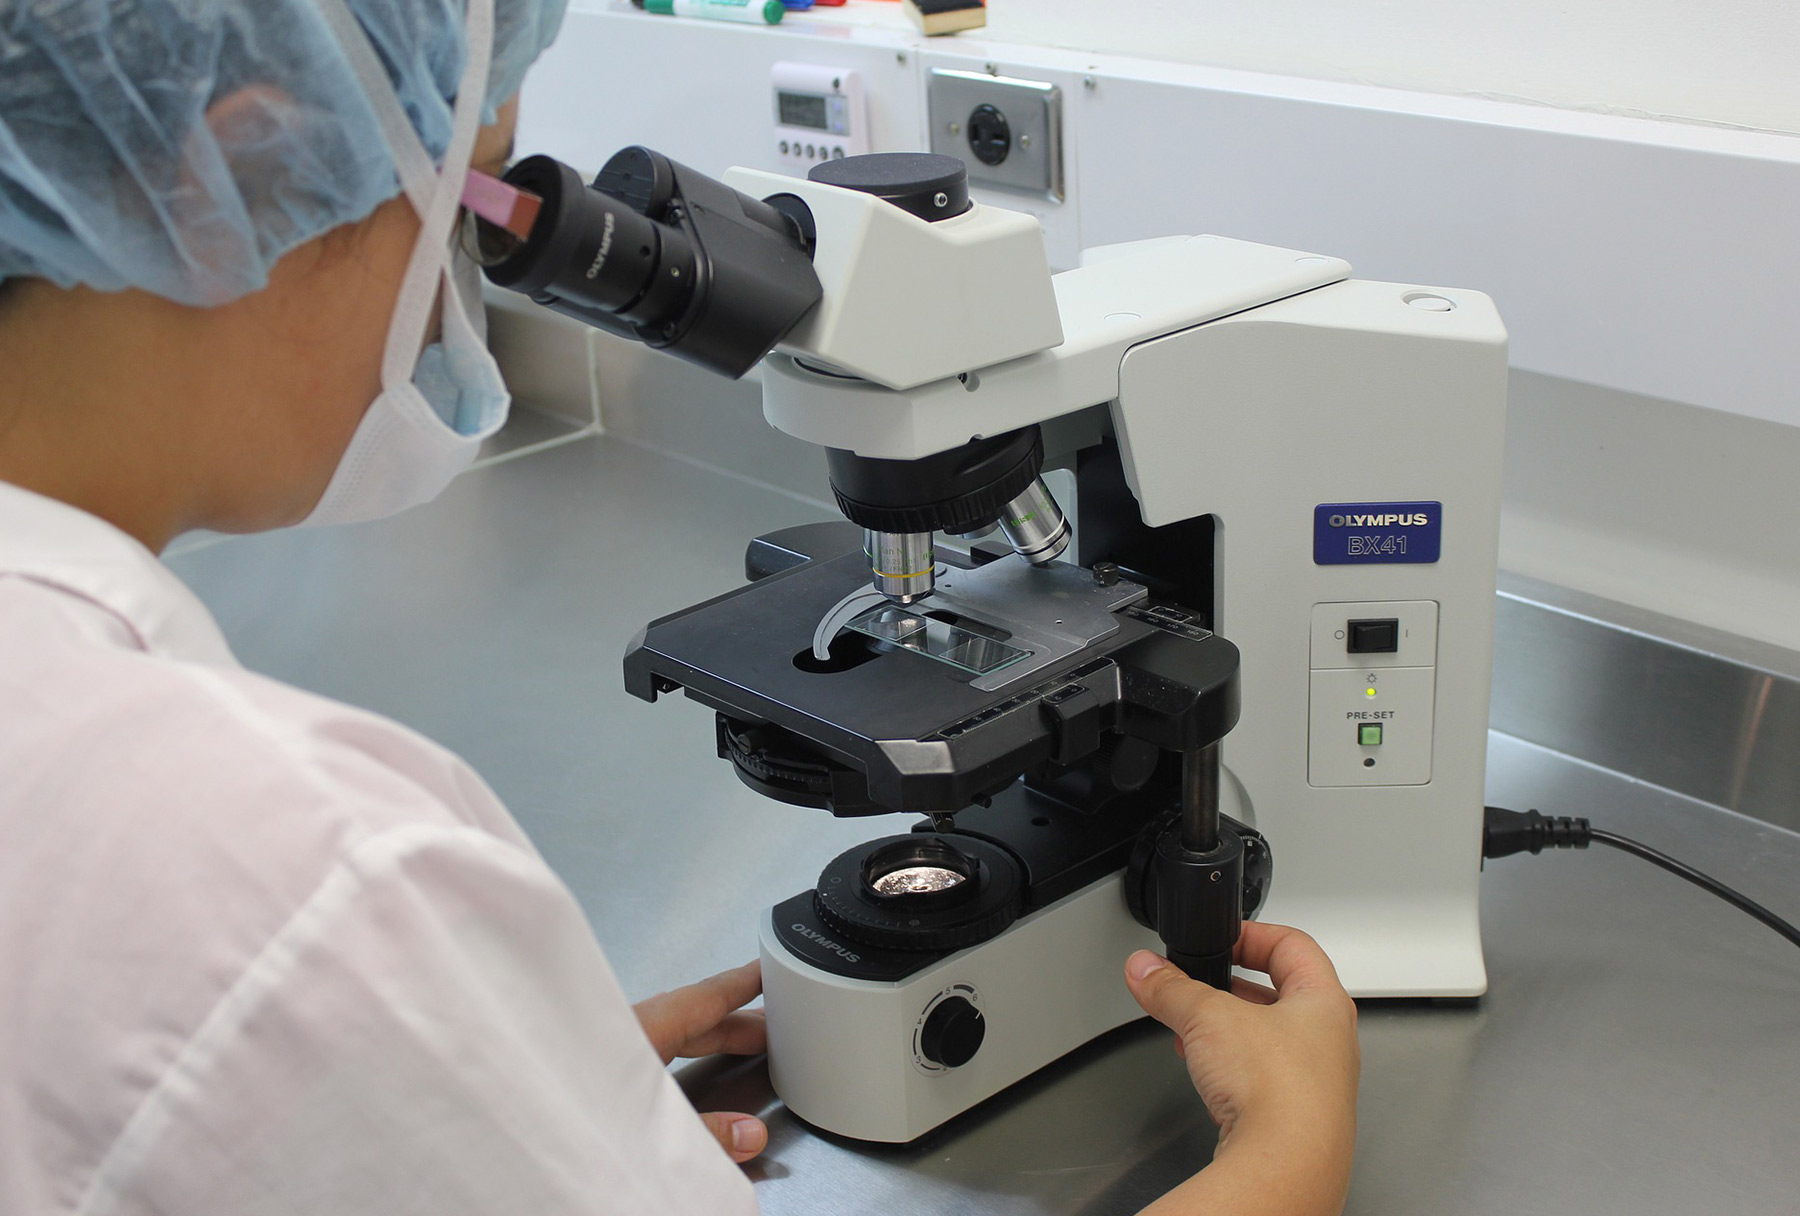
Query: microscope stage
x=913 y=733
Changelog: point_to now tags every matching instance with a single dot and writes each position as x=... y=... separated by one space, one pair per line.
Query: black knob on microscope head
x=925 y=184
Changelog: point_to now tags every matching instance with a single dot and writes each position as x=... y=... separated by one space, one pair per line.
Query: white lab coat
x=262 y=953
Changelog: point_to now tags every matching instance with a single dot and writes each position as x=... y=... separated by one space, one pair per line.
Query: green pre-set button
x=1368 y=734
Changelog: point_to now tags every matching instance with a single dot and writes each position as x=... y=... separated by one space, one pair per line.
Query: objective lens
x=917 y=880
x=1035 y=526
x=902 y=563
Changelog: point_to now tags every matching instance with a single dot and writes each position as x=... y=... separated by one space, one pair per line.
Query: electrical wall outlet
x=1007 y=130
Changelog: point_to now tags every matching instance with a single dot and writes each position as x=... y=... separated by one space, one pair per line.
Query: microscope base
x=854 y=1057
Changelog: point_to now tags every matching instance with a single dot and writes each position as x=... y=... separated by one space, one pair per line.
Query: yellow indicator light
x=1370 y=691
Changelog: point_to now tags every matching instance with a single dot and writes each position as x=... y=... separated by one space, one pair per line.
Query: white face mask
x=435 y=407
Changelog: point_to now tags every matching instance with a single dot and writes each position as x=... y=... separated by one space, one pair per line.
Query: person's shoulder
x=174 y=833
x=116 y=743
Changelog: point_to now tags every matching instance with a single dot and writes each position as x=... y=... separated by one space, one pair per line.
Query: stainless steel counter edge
x=1665 y=701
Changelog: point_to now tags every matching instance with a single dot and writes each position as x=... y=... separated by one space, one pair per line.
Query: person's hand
x=706 y=1019
x=1276 y=1067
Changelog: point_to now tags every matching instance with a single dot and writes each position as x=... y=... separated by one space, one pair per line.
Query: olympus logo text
x=849 y=956
x=606 y=235
x=1379 y=521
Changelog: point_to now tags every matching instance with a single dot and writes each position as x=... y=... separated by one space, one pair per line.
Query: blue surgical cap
x=182 y=146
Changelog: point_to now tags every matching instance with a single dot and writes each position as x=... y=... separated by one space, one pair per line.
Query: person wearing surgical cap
x=261 y=953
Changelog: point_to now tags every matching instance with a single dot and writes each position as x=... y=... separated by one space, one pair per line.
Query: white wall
x=1718 y=61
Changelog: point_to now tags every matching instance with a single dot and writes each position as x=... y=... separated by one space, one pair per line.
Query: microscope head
x=876 y=270
x=918 y=284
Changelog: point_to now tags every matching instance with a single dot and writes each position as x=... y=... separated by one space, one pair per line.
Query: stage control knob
x=952 y=1033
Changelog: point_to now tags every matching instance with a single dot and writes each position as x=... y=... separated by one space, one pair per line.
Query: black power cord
x=1505 y=832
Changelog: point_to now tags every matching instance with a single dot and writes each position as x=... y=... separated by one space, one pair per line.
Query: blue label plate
x=1377 y=533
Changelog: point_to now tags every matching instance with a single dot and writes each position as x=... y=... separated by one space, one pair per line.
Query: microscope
x=1250 y=446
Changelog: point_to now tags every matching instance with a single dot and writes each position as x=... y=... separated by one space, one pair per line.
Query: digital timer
x=819 y=115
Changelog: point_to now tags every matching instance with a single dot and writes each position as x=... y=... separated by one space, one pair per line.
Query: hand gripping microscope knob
x=1188 y=877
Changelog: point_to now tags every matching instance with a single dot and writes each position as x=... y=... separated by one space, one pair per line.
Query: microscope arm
x=1105 y=308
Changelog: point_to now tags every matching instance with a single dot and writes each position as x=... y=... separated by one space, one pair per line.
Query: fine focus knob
x=952 y=1033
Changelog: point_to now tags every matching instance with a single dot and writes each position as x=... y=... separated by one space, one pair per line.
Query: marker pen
x=756 y=12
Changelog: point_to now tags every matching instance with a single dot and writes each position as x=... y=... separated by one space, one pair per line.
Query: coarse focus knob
x=952 y=1033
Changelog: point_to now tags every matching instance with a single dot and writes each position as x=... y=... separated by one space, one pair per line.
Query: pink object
x=500 y=204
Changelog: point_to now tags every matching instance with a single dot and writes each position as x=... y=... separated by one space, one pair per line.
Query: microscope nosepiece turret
x=901 y=503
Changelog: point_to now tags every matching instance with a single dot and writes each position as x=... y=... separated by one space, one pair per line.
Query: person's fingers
x=744 y=1033
x=1291 y=959
x=741 y=1136
x=1166 y=994
x=1250 y=990
x=732 y=989
x=673 y=1019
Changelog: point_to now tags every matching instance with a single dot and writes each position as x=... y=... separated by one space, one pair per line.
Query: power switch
x=1374 y=637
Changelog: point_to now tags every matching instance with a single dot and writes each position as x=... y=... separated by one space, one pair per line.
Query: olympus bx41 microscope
x=1260 y=631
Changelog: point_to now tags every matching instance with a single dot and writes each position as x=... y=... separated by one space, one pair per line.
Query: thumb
x=1168 y=995
x=741 y=1136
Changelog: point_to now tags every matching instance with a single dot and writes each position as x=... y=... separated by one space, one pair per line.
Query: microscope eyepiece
x=656 y=252
x=592 y=250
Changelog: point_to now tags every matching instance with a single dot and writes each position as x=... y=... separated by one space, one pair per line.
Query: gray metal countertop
x=1638 y=1051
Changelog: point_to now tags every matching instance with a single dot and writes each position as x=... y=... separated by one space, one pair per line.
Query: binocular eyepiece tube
x=660 y=254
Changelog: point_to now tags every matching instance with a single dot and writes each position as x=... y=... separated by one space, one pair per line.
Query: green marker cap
x=772 y=10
